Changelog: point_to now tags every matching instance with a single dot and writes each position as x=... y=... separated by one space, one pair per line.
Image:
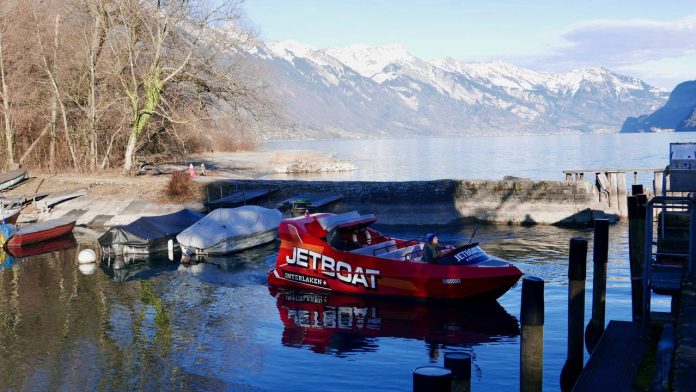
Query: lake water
x=161 y=325
x=536 y=157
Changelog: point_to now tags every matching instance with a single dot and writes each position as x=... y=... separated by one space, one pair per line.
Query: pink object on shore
x=191 y=171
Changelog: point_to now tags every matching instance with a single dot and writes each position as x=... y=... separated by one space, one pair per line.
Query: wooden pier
x=615 y=362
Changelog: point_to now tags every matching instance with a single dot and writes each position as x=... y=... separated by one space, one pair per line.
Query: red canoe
x=42 y=231
x=381 y=265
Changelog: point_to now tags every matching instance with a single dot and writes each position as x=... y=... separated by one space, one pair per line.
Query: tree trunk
x=9 y=132
x=130 y=153
x=52 y=142
x=141 y=116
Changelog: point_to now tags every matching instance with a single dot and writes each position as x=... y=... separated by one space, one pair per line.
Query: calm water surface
x=216 y=326
x=149 y=325
x=536 y=157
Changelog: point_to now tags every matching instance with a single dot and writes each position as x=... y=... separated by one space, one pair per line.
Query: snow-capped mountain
x=362 y=91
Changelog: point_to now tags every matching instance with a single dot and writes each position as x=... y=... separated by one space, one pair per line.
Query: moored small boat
x=11 y=214
x=311 y=202
x=148 y=235
x=381 y=265
x=12 y=178
x=58 y=197
x=42 y=231
x=237 y=199
x=228 y=230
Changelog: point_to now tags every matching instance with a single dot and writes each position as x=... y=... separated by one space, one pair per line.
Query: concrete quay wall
x=447 y=201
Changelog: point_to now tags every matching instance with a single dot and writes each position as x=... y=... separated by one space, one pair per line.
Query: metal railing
x=666 y=204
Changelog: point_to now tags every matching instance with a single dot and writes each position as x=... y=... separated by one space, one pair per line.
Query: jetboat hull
x=305 y=261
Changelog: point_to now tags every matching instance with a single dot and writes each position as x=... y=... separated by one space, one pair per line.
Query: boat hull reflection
x=336 y=323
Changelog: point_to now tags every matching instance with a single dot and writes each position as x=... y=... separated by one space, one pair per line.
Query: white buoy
x=87 y=256
x=87 y=269
x=170 y=249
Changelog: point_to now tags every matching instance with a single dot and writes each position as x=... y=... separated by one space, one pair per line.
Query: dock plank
x=614 y=363
x=684 y=366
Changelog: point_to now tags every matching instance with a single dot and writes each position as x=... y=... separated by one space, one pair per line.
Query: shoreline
x=117 y=200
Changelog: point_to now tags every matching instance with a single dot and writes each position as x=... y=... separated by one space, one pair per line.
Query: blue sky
x=654 y=40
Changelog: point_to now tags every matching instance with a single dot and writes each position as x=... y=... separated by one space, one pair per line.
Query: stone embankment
x=442 y=202
x=450 y=201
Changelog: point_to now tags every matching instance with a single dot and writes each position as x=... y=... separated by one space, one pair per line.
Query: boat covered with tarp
x=228 y=230
x=148 y=235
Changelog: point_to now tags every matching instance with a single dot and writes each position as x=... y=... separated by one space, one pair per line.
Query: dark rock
x=679 y=113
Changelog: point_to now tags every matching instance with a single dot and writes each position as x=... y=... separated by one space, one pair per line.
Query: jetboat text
x=335 y=269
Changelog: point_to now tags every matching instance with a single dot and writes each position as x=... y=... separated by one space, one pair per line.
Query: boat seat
x=400 y=253
x=376 y=249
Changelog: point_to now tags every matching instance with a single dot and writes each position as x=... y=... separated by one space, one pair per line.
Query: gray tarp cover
x=225 y=223
x=149 y=228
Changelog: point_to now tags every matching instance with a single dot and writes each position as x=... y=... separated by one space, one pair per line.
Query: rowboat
x=42 y=231
x=11 y=214
x=12 y=178
x=311 y=202
x=59 y=197
x=237 y=199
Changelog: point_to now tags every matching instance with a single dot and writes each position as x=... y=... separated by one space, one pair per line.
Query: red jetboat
x=381 y=265
x=42 y=231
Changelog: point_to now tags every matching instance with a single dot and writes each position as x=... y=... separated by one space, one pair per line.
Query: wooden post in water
x=569 y=178
x=636 y=251
x=432 y=379
x=595 y=328
x=577 y=272
x=460 y=366
x=613 y=190
x=621 y=194
x=532 y=344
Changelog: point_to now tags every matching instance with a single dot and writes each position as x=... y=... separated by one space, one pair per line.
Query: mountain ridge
x=678 y=113
x=362 y=91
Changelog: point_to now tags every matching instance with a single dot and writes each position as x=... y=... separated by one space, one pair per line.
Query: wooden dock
x=615 y=361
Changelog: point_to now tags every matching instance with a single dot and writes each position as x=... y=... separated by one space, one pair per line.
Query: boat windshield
x=349 y=220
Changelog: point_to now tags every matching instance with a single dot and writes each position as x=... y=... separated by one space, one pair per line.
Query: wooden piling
x=577 y=272
x=532 y=344
x=460 y=366
x=569 y=178
x=621 y=194
x=636 y=248
x=432 y=379
x=613 y=190
x=600 y=255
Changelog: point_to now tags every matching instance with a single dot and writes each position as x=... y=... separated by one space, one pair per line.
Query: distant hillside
x=362 y=92
x=678 y=114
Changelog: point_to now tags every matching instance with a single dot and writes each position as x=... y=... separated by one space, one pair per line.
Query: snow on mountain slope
x=362 y=91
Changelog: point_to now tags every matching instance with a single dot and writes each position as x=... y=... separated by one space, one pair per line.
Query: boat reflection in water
x=6 y=260
x=338 y=324
x=61 y=243
x=124 y=268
